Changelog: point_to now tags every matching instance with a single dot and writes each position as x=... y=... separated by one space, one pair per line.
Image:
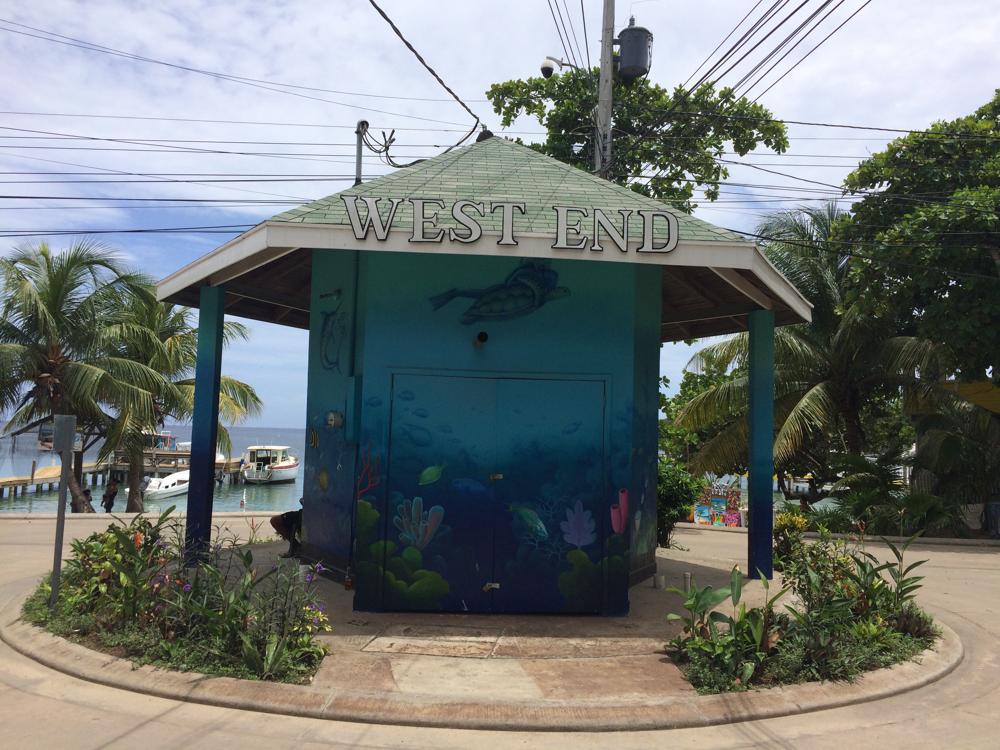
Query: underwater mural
x=495 y=475
x=529 y=286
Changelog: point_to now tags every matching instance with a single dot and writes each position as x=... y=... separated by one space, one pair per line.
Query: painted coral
x=416 y=526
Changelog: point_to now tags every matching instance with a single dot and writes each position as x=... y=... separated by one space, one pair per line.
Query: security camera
x=549 y=66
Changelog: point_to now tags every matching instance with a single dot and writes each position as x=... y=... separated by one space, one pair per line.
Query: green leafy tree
x=929 y=226
x=61 y=334
x=825 y=371
x=162 y=336
x=679 y=442
x=677 y=136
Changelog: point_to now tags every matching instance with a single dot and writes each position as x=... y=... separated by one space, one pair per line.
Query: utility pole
x=602 y=150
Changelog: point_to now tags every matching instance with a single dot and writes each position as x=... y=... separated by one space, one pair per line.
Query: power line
x=943 y=135
x=746 y=54
x=92 y=47
x=586 y=38
x=787 y=40
x=569 y=22
x=724 y=40
x=854 y=254
x=738 y=44
x=822 y=41
x=559 y=32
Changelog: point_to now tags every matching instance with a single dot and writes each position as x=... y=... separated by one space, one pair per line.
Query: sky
x=896 y=64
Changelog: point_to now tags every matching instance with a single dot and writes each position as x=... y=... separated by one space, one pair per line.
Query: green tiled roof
x=496 y=170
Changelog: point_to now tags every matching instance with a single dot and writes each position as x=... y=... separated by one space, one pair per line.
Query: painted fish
x=405 y=396
x=431 y=474
x=419 y=436
x=422 y=413
x=471 y=487
x=527 y=523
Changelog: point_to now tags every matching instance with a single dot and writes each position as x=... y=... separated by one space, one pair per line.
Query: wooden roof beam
x=739 y=283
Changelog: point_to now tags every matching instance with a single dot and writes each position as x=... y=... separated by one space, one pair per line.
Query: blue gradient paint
x=468 y=454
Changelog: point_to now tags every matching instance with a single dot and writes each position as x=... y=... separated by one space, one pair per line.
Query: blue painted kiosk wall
x=499 y=453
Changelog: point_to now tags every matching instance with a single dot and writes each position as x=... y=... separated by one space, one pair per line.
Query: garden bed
x=851 y=614
x=125 y=591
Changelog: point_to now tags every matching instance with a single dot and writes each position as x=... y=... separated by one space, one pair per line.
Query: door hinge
x=491 y=586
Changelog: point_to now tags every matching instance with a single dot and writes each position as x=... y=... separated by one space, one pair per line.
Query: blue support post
x=205 y=425
x=761 y=432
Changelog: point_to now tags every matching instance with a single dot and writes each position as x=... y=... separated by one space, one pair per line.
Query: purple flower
x=319 y=567
x=187 y=588
x=310 y=578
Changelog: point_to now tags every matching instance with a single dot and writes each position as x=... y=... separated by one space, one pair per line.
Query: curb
x=129 y=516
x=593 y=715
x=919 y=541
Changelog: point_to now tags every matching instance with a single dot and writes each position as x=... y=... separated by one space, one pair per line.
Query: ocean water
x=16 y=457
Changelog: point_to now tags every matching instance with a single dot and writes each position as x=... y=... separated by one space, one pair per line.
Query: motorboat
x=168 y=486
x=269 y=464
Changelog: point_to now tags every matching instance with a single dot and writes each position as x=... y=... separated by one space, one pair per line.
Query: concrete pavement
x=955 y=712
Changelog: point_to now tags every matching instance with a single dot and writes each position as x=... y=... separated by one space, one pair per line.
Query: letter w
x=372 y=220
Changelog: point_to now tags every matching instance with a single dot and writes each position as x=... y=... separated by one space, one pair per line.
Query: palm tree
x=824 y=371
x=161 y=336
x=60 y=339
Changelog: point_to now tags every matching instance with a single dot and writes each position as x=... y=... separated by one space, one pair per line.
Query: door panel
x=442 y=450
x=495 y=493
x=550 y=449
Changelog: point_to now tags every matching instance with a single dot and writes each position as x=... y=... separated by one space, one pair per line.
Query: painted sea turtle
x=528 y=287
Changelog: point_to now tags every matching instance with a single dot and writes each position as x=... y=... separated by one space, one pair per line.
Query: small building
x=484 y=334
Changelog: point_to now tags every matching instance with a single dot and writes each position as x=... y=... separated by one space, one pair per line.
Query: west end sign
x=576 y=228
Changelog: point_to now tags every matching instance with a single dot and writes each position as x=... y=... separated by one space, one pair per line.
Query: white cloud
x=901 y=63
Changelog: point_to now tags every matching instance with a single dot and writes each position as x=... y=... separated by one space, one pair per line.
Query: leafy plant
x=126 y=589
x=789 y=525
x=676 y=492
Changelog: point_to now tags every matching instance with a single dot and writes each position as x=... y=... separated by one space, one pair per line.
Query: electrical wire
x=568 y=21
x=787 y=40
x=863 y=256
x=383 y=148
x=821 y=42
x=92 y=47
x=724 y=40
x=756 y=26
x=559 y=32
x=586 y=39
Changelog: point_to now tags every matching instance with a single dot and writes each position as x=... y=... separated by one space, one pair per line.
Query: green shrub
x=834 y=518
x=126 y=589
x=854 y=614
x=789 y=525
x=676 y=493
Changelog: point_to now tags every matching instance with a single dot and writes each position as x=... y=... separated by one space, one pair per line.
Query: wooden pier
x=156 y=463
x=159 y=463
x=47 y=478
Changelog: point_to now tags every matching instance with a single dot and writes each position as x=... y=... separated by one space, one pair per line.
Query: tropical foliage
x=126 y=589
x=83 y=335
x=165 y=338
x=61 y=334
x=664 y=144
x=853 y=613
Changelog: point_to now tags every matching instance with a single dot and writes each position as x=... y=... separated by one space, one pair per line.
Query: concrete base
x=487 y=672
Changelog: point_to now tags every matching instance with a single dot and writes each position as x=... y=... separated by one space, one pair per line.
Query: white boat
x=267 y=464
x=168 y=486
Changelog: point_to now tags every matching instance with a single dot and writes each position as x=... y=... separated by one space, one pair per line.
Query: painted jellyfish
x=416 y=526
